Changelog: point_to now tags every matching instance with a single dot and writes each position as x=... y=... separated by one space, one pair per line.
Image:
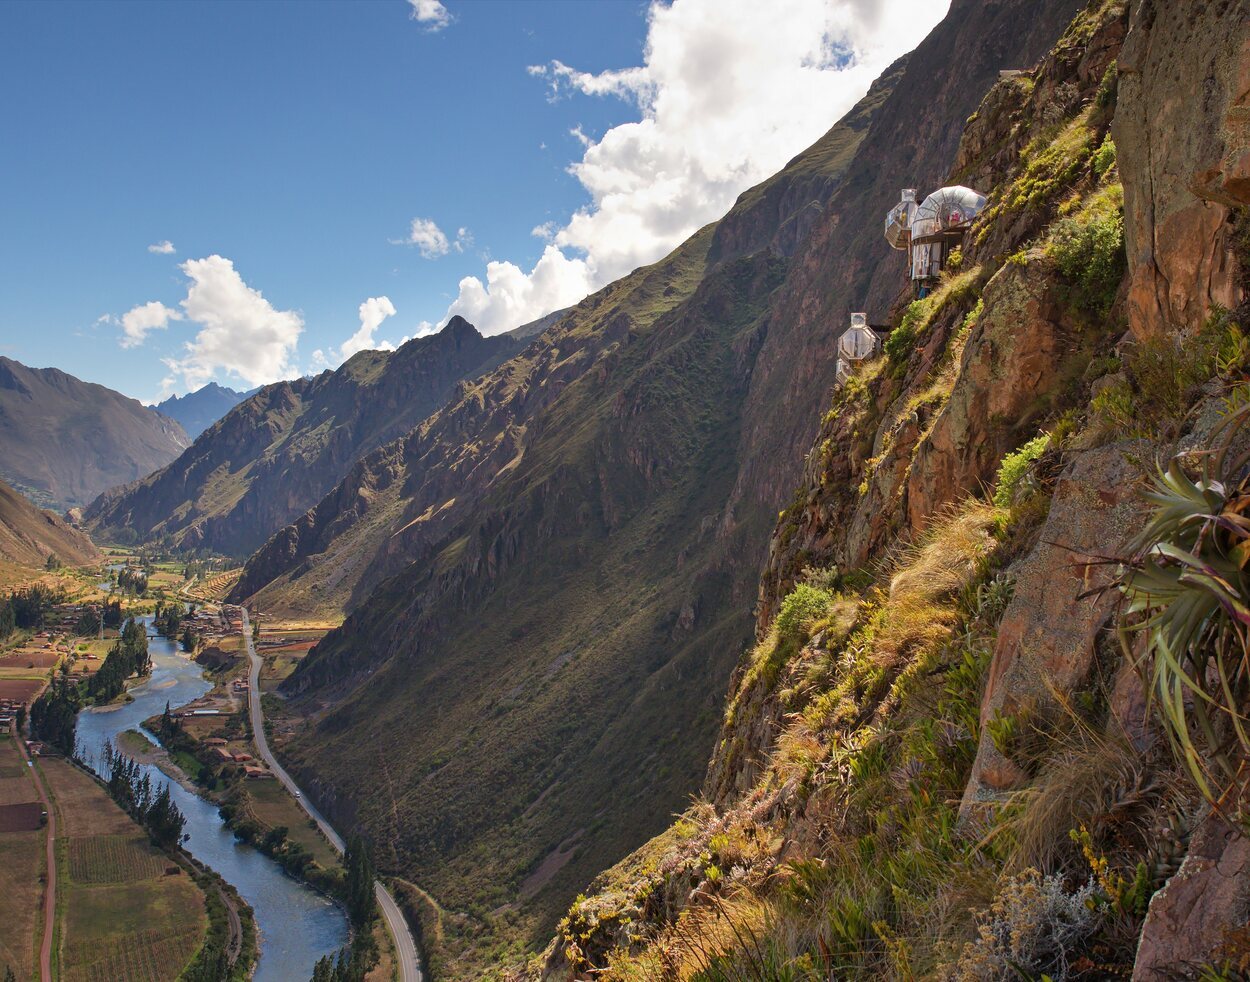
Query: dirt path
x=49 y=896
x=234 y=947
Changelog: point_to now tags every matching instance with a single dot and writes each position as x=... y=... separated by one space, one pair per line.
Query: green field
x=123 y=916
x=113 y=859
x=271 y=805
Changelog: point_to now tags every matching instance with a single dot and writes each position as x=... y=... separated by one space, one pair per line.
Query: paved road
x=405 y=946
x=49 y=896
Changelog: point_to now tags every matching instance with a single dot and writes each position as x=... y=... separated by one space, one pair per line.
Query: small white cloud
x=137 y=322
x=546 y=231
x=372 y=313
x=164 y=248
x=320 y=362
x=241 y=333
x=429 y=239
x=635 y=84
x=431 y=14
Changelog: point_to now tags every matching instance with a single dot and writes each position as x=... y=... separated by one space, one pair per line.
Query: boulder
x=1191 y=917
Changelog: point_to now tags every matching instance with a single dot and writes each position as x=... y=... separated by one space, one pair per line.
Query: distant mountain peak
x=199 y=410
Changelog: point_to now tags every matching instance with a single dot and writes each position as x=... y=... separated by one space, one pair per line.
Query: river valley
x=297 y=925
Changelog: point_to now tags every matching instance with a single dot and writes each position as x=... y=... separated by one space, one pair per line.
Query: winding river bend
x=297 y=925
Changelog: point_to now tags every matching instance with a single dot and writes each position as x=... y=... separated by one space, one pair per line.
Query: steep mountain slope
x=277 y=453
x=28 y=536
x=198 y=410
x=938 y=762
x=63 y=441
x=579 y=533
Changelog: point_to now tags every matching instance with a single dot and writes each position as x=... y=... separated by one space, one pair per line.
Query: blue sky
x=299 y=142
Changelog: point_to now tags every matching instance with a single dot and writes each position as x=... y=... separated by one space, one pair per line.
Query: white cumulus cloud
x=163 y=248
x=728 y=92
x=373 y=312
x=431 y=14
x=429 y=239
x=510 y=296
x=240 y=332
x=138 y=321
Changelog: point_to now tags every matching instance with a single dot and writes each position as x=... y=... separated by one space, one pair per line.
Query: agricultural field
x=112 y=859
x=21 y=870
x=216 y=586
x=271 y=805
x=282 y=648
x=22 y=689
x=129 y=911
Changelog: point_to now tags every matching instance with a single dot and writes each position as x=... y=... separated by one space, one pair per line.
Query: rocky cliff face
x=272 y=457
x=63 y=441
x=579 y=532
x=938 y=761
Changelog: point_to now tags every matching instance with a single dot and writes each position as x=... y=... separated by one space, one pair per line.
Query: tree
x=53 y=562
x=54 y=715
x=167 y=723
x=8 y=619
x=361 y=903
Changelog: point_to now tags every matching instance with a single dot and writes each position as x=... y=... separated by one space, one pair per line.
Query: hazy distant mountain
x=199 y=410
x=28 y=535
x=274 y=456
x=63 y=441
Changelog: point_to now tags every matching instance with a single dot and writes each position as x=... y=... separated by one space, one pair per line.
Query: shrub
x=1187 y=590
x=1104 y=157
x=1029 y=930
x=1162 y=374
x=903 y=338
x=1088 y=249
x=804 y=605
x=1013 y=468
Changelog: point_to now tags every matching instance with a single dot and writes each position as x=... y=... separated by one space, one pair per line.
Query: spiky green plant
x=1187 y=596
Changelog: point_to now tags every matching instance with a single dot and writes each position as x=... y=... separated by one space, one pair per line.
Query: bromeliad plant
x=1186 y=595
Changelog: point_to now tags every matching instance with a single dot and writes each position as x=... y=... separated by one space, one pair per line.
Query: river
x=297 y=925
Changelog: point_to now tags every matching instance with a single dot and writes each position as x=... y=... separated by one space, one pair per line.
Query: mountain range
x=671 y=646
x=64 y=441
x=275 y=454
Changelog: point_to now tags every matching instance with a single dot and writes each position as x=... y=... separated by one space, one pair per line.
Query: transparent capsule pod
x=938 y=225
x=898 y=220
x=859 y=341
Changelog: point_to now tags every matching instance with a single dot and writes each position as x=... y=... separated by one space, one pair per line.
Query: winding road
x=405 y=946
